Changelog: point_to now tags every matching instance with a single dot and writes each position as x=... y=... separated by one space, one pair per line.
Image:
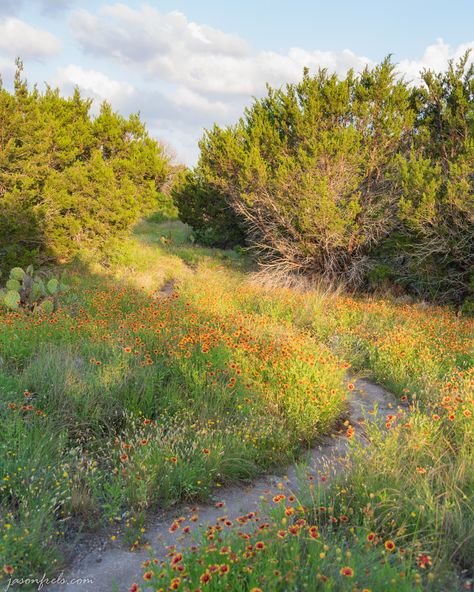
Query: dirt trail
x=115 y=565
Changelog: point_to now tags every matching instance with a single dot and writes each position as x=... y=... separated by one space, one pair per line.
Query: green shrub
x=345 y=178
x=69 y=181
x=207 y=211
x=436 y=179
x=307 y=170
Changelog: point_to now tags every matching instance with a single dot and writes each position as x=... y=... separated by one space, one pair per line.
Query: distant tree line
x=69 y=181
x=366 y=180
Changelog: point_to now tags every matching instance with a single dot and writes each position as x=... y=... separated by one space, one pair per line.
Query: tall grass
x=140 y=399
x=412 y=486
x=128 y=399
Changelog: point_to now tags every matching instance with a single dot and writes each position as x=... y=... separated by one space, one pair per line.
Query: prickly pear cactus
x=17 y=273
x=26 y=290
x=52 y=286
x=12 y=299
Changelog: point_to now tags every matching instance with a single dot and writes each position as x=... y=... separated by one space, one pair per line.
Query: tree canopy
x=70 y=181
x=358 y=179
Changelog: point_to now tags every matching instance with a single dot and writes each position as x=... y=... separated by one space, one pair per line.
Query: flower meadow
x=400 y=516
x=128 y=399
x=125 y=401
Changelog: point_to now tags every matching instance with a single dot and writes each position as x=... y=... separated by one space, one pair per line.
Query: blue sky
x=185 y=64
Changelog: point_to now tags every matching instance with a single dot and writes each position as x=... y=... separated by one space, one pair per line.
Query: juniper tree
x=307 y=169
x=69 y=181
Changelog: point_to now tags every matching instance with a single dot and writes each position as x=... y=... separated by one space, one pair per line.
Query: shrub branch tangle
x=69 y=181
x=354 y=179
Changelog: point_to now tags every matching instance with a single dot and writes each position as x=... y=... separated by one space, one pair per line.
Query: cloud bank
x=18 y=38
x=181 y=75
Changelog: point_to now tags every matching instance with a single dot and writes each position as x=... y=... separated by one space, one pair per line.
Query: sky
x=187 y=64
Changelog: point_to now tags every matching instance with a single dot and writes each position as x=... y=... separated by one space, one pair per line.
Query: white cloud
x=95 y=85
x=435 y=57
x=195 y=56
x=208 y=75
x=143 y=35
x=188 y=99
x=20 y=38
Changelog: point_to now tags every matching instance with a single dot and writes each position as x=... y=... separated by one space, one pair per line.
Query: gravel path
x=115 y=565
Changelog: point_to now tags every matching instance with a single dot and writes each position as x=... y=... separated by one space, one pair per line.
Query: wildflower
x=134 y=588
x=278 y=498
x=390 y=545
x=177 y=558
x=206 y=451
x=147 y=575
x=124 y=457
x=8 y=569
x=174 y=527
x=260 y=545
x=371 y=537
x=224 y=569
x=348 y=572
x=420 y=470
x=205 y=577
x=423 y=561
x=351 y=386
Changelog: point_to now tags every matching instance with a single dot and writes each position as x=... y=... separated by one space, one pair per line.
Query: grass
x=126 y=400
